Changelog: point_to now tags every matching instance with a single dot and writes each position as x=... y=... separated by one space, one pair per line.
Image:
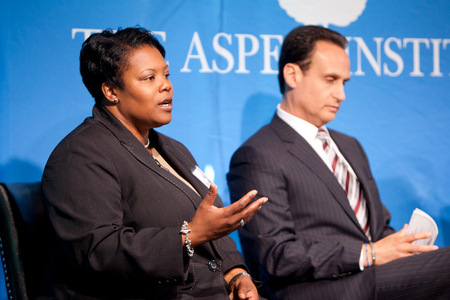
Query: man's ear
x=292 y=74
x=109 y=91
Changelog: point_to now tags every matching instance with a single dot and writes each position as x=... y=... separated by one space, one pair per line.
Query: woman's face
x=145 y=101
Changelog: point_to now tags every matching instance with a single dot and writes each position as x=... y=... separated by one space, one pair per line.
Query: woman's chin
x=163 y=122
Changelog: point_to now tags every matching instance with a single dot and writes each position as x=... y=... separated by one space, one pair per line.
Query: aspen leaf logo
x=324 y=12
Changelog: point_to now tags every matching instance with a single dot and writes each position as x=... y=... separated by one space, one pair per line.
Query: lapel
x=177 y=159
x=180 y=160
x=300 y=149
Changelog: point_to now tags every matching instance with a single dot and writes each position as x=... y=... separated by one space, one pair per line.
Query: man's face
x=320 y=89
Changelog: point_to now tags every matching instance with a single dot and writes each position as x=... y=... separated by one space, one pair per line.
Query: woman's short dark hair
x=298 y=46
x=104 y=56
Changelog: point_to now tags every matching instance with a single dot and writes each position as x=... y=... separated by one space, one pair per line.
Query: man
x=324 y=233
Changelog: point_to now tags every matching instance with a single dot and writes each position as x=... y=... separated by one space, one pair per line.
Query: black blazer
x=118 y=215
x=306 y=236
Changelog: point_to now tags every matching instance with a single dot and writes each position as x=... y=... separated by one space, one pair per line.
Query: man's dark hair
x=104 y=56
x=299 y=44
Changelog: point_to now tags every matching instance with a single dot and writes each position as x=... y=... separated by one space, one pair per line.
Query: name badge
x=197 y=172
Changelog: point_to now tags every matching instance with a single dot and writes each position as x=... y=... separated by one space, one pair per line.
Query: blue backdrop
x=223 y=64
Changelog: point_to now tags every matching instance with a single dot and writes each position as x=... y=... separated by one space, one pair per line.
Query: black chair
x=25 y=240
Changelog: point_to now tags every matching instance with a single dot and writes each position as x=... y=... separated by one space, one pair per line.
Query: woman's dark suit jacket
x=118 y=215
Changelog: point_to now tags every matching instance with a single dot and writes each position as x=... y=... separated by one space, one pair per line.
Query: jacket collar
x=179 y=161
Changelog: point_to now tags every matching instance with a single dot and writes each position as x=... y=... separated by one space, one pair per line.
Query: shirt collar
x=307 y=130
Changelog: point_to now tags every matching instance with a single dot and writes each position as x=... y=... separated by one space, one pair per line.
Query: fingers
x=404 y=230
x=409 y=238
x=252 y=209
x=243 y=217
x=244 y=201
x=417 y=236
x=211 y=222
x=242 y=210
x=420 y=248
x=423 y=248
x=246 y=289
x=211 y=195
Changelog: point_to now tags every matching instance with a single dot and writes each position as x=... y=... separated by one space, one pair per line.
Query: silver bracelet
x=187 y=241
x=373 y=254
x=237 y=276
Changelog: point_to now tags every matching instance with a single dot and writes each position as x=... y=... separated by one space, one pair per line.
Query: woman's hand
x=243 y=288
x=211 y=223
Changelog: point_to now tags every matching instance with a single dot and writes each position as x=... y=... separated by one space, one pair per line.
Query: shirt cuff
x=361 y=260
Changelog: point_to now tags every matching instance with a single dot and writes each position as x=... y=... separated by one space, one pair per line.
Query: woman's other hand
x=242 y=288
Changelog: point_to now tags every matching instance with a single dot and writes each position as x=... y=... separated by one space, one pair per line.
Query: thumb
x=403 y=230
x=211 y=196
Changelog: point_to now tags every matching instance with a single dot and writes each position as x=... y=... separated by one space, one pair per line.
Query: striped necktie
x=347 y=180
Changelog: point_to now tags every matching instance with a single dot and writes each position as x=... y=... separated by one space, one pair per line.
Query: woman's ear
x=292 y=74
x=109 y=91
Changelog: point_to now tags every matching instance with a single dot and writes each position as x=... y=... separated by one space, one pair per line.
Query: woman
x=130 y=208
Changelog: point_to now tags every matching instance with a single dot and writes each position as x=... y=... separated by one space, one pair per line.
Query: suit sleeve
x=270 y=237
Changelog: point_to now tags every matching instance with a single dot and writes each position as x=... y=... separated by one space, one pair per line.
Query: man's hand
x=399 y=245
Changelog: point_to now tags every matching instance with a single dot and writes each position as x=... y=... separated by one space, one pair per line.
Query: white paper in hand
x=420 y=222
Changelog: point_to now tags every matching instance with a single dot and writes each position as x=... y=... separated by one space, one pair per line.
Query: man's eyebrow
x=336 y=76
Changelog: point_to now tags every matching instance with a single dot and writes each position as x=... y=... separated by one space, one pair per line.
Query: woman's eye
x=167 y=75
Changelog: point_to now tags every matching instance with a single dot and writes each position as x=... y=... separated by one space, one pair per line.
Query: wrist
x=372 y=248
x=368 y=254
x=186 y=241
x=237 y=277
x=232 y=272
x=196 y=235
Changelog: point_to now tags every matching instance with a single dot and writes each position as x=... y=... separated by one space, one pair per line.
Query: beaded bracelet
x=187 y=241
x=367 y=255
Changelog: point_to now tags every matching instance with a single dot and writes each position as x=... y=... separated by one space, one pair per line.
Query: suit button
x=213 y=266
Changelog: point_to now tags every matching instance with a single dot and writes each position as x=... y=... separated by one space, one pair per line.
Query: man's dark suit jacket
x=305 y=242
x=118 y=215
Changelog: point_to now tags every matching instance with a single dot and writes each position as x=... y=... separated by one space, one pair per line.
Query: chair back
x=25 y=237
